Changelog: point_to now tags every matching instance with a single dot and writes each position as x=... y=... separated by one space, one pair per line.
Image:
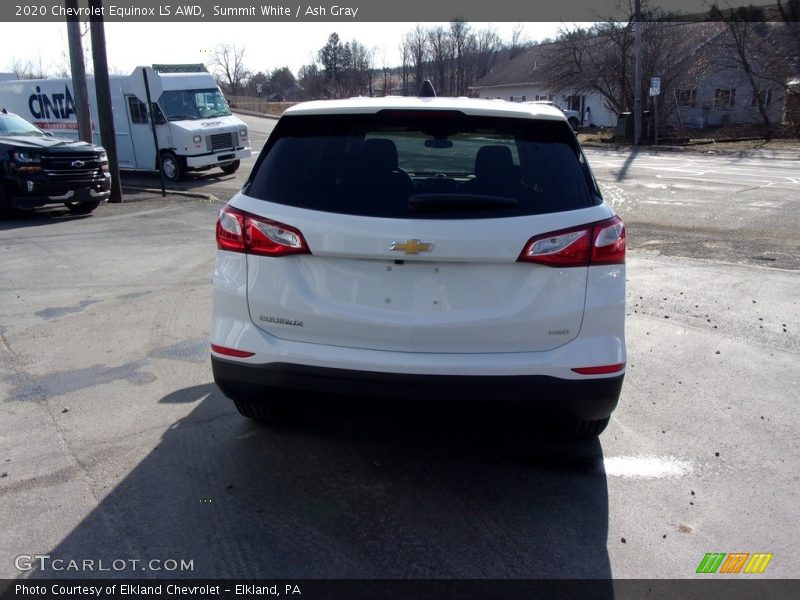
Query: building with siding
x=519 y=80
x=705 y=88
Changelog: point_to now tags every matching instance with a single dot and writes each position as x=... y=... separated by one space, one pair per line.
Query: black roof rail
x=426 y=90
x=3 y=110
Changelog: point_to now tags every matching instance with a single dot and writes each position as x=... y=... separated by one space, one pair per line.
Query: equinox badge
x=411 y=247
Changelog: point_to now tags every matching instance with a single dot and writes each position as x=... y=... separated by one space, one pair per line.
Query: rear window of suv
x=423 y=164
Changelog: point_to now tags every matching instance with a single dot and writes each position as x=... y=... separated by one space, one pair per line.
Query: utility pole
x=103 y=90
x=637 y=92
x=78 y=70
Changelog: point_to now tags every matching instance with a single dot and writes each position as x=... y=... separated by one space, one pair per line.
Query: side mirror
x=48 y=133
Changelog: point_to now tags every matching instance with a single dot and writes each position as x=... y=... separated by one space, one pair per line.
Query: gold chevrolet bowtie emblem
x=411 y=246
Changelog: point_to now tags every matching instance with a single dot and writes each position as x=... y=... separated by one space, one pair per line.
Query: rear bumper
x=584 y=399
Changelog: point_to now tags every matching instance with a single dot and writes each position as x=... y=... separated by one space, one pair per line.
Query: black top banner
x=512 y=11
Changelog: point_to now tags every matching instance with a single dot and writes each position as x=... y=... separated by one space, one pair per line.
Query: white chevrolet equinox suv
x=423 y=248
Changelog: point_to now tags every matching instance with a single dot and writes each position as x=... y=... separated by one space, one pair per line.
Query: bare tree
x=416 y=41
x=405 y=58
x=519 y=42
x=362 y=59
x=789 y=11
x=453 y=57
x=764 y=52
x=227 y=63
x=385 y=74
x=601 y=59
x=63 y=70
x=591 y=60
x=26 y=69
x=440 y=53
x=459 y=34
x=487 y=45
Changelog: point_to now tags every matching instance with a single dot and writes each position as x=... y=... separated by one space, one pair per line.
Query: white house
x=704 y=88
x=518 y=81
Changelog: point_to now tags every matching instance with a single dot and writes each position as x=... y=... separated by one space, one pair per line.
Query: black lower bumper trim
x=585 y=399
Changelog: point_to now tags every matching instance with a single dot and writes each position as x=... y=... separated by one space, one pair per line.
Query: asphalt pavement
x=115 y=443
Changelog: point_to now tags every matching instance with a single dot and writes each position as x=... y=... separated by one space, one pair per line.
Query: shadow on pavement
x=192 y=181
x=354 y=490
x=19 y=218
x=623 y=172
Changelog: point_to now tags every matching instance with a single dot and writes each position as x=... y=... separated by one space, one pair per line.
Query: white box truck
x=193 y=123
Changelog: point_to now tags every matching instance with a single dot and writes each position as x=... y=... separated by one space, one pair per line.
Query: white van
x=194 y=126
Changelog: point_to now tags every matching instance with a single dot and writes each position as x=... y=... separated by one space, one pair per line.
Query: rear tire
x=172 y=167
x=263 y=411
x=231 y=167
x=584 y=430
x=81 y=208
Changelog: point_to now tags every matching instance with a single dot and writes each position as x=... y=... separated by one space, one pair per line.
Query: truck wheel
x=230 y=167
x=573 y=122
x=172 y=167
x=81 y=208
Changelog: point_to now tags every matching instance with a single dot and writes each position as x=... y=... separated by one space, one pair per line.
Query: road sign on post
x=655 y=91
x=655 y=86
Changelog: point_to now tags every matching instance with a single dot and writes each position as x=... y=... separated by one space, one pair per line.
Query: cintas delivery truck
x=193 y=123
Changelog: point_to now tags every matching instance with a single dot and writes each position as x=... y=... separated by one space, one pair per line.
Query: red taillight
x=609 y=242
x=238 y=231
x=231 y=351
x=602 y=370
x=230 y=230
x=601 y=243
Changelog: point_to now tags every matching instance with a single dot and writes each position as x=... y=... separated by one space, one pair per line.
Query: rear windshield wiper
x=446 y=202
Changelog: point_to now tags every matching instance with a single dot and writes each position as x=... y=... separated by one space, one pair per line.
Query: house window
x=725 y=98
x=687 y=97
x=764 y=95
x=523 y=98
x=575 y=103
x=543 y=97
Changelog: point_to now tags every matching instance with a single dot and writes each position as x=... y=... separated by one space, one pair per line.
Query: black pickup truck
x=37 y=169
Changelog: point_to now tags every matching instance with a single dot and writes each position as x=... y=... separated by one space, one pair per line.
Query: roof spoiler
x=426 y=90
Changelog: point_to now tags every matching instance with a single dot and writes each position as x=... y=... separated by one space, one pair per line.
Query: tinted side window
x=138 y=110
x=395 y=163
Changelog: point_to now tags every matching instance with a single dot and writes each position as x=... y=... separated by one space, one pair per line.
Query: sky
x=267 y=45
